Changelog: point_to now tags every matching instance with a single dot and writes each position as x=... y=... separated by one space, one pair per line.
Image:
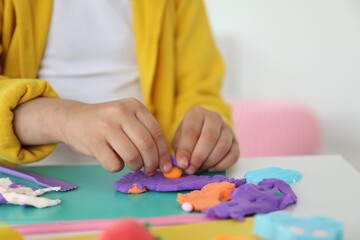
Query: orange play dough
x=136 y=190
x=173 y=173
x=209 y=195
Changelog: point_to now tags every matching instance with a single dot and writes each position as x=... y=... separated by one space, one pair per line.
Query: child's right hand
x=115 y=133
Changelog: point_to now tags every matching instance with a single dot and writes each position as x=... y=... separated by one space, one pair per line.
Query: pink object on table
x=101 y=224
x=266 y=128
x=126 y=229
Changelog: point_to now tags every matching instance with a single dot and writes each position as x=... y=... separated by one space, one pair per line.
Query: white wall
x=305 y=50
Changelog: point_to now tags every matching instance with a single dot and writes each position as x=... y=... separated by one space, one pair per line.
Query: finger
x=229 y=160
x=125 y=149
x=107 y=157
x=144 y=143
x=153 y=127
x=221 y=148
x=189 y=134
x=210 y=134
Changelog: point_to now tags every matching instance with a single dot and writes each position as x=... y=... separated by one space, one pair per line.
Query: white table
x=330 y=187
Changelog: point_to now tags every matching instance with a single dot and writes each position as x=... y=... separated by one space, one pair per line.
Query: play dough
x=136 y=182
x=173 y=173
x=269 y=195
x=283 y=226
x=7 y=232
x=287 y=175
x=13 y=193
x=210 y=195
x=126 y=229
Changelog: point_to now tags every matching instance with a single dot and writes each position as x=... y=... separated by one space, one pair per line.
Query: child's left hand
x=204 y=141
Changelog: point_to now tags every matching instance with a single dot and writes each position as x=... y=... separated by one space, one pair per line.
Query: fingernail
x=183 y=162
x=150 y=173
x=167 y=167
x=191 y=170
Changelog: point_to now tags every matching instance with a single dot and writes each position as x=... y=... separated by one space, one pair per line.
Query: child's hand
x=204 y=141
x=117 y=132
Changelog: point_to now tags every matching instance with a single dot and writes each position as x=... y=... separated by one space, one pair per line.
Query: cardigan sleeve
x=12 y=93
x=15 y=90
x=199 y=66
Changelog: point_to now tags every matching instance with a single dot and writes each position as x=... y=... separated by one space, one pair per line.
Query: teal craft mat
x=95 y=198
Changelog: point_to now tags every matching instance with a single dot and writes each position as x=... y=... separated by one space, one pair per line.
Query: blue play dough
x=287 y=175
x=283 y=226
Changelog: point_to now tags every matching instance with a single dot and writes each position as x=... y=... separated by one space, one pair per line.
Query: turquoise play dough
x=283 y=226
x=287 y=175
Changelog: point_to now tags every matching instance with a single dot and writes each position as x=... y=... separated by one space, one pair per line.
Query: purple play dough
x=269 y=195
x=2 y=199
x=12 y=185
x=173 y=160
x=15 y=185
x=161 y=184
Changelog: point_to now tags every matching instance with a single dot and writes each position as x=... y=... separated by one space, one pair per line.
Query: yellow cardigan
x=179 y=64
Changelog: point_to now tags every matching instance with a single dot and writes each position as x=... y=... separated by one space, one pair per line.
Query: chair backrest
x=266 y=128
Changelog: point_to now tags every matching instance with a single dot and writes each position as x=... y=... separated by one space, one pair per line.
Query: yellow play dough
x=7 y=232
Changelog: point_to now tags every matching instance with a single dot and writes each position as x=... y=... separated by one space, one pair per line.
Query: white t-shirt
x=90 y=57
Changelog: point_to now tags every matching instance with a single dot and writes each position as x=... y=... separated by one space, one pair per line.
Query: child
x=125 y=82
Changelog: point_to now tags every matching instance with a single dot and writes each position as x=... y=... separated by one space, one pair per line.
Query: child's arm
x=14 y=92
x=114 y=133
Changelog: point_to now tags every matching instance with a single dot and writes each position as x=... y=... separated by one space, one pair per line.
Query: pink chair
x=276 y=128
